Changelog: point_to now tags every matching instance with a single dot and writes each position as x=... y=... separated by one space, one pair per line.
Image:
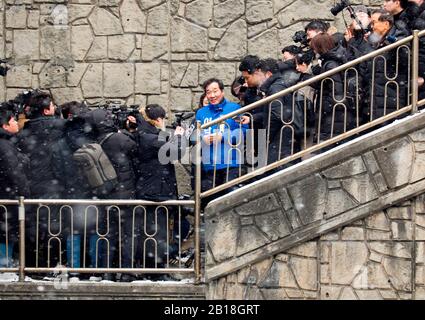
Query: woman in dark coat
x=331 y=95
x=157 y=182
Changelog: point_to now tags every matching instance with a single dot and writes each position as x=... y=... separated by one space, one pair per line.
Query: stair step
x=85 y=290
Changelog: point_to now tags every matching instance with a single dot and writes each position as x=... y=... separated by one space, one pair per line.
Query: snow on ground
x=12 y=277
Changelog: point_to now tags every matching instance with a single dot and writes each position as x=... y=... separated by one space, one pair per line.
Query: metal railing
x=115 y=226
x=355 y=101
x=98 y=236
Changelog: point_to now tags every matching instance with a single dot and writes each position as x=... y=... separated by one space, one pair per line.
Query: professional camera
x=300 y=37
x=121 y=113
x=180 y=117
x=340 y=6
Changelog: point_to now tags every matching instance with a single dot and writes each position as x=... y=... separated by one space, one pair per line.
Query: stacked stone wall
x=381 y=257
x=348 y=224
x=142 y=51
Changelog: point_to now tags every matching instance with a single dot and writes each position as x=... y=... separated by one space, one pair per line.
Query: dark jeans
x=7 y=253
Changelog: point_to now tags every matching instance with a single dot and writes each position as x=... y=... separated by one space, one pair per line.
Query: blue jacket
x=223 y=155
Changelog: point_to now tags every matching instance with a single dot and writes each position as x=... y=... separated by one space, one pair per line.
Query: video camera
x=300 y=37
x=180 y=117
x=346 y=4
x=335 y=10
x=121 y=113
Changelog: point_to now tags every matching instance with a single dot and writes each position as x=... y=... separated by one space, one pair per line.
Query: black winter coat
x=252 y=95
x=408 y=16
x=378 y=100
x=285 y=138
x=77 y=133
x=38 y=140
x=14 y=167
x=356 y=48
x=157 y=181
x=121 y=151
x=289 y=73
x=420 y=25
x=331 y=93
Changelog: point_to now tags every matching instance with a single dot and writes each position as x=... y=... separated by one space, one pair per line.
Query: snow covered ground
x=12 y=277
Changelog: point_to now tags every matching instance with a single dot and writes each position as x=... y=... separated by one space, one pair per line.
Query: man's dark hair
x=201 y=100
x=72 y=108
x=339 y=39
x=212 y=80
x=248 y=64
x=306 y=58
x=39 y=101
x=269 y=64
x=404 y=3
x=294 y=50
x=155 y=111
x=317 y=25
x=381 y=11
x=386 y=17
x=5 y=115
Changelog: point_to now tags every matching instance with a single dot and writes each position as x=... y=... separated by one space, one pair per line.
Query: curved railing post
x=415 y=71
x=21 y=213
x=198 y=162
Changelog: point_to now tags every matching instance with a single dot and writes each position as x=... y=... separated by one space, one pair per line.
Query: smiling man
x=221 y=161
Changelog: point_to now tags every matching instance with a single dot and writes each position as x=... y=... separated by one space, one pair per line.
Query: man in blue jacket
x=222 y=144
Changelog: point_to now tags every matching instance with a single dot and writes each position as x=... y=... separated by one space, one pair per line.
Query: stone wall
x=142 y=51
x=345 y=224
x=381 y=257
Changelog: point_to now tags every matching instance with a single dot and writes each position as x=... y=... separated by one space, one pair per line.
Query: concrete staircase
x=250 y=231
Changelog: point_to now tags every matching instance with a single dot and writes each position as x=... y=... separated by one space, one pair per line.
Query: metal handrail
x=412 y=107
x=312 y=80
x=23 y=268
x=317 y=147
x=104 y=202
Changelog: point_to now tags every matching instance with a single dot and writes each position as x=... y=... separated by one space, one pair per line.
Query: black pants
x=221 y=177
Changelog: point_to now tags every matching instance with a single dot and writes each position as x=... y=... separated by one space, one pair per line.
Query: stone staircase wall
x=346 y=224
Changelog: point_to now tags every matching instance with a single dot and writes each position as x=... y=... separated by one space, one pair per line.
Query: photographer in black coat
x=13 y=184
x=157 y=182
x=39 y=139
x=78 y=132
x=122 y=152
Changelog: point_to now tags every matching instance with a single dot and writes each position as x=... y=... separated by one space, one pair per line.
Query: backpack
x=95 y=165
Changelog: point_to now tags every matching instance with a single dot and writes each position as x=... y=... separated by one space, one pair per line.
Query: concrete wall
x=142 y=51
x=346 y=224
